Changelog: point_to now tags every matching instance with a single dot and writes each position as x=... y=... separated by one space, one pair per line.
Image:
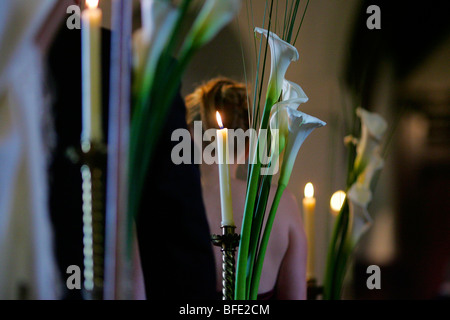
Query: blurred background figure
x=284 y=271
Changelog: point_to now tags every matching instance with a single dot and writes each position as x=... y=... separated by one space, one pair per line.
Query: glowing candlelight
x=309 y=190
x=219 y=119
x=336 y=202
x=309 y=206
x=224 y=174
x=91 y=71
x=92 y=4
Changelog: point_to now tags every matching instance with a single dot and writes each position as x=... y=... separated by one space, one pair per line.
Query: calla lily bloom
x=361 y=189
x=360 y=195
x=367 y=163
x=360 y=219
x=282 y=54
x=294 y=127
x=372 y=131
x=158 y=21
x=292 y=95
x=375 y=164
x=214 y=15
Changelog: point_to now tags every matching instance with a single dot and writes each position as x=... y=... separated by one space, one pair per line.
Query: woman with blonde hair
x=284 y=271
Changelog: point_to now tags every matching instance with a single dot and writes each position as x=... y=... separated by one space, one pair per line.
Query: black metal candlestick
x=92 y=162
x=313 y=289
x=228 y=241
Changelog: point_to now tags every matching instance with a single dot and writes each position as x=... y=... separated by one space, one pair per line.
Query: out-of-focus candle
x=309 y=207
x=336 y=202
x=91 y=73
x=224 y=174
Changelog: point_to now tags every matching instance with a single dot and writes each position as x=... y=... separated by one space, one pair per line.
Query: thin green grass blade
x=292 y=21
x=285 y=19
x=301 y=22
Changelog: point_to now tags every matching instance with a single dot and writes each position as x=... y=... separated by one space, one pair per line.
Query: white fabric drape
x=27 y=263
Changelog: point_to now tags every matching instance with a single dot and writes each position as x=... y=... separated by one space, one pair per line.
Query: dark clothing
x=173 y=232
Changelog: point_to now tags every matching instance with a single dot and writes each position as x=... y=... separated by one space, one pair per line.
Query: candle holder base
x=313 y=290
x=228 y=241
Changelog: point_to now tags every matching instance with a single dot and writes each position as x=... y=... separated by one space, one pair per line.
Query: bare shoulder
x=289 y=208
x=292 y=219
x=289 y=201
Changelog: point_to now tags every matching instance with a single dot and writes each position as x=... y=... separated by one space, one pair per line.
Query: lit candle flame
x=309 y=190
x=92 y=4
x=337 y=200
x=219 y=120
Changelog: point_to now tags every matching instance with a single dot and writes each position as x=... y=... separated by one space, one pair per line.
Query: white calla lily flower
x=294 y=127
x=360 y=195
x=375 y=164
x=282 y=54
x=360 y=192
x=360 y=219
x=214 y=16
x=158 y=21
x=367 y=163
x=373 y=128
x=293 y=95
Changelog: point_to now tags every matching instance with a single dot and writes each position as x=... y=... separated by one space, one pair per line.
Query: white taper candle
x=91 y=73
x=224 y=175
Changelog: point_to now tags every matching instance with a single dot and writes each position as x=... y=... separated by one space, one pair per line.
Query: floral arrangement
x=365 y=161
x=279 y=115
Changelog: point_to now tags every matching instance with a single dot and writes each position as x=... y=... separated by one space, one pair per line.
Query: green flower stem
x=257 y=227
x=247 y=220
x=331 y=257
x=264 y=242
x=335 y=256
x=260 y=213
x=341 y=269
x=145 y=80
x=240 y=290
x=345 y=256
x=147 y=88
